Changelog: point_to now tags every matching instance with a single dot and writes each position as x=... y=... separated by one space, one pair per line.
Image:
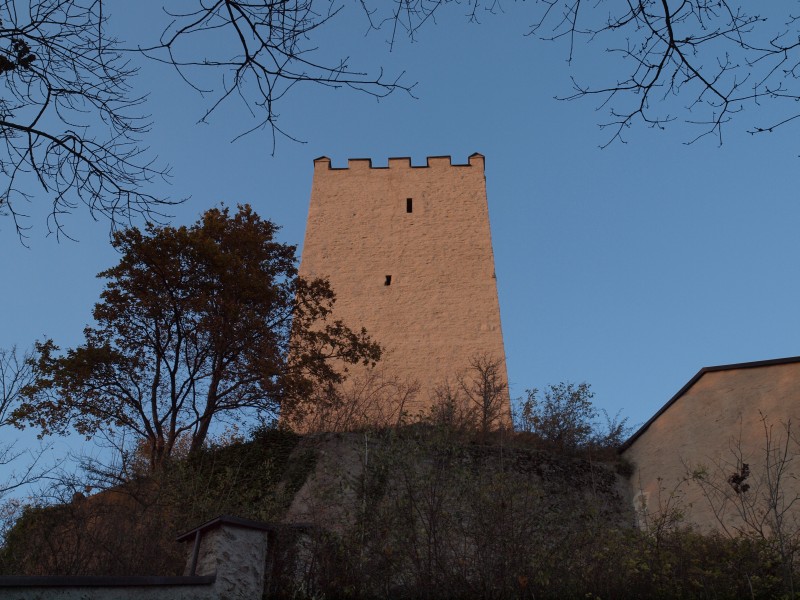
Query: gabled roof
x=695 y=379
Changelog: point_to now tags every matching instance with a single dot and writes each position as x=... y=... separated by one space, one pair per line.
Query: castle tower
x=408 y=252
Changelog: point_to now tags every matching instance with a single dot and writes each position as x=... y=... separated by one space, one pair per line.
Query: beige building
x=408 y=252
x=724 y=452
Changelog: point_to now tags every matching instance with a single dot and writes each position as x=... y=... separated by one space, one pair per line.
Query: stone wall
x=408 y=252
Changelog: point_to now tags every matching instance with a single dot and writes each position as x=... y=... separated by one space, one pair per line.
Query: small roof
x=695 y=379
x=243 y=523
x=225 y=520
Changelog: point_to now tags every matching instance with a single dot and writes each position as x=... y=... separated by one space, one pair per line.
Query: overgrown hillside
x=131 y=528
x=418 y=512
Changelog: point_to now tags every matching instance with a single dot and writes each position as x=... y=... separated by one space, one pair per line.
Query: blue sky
x=629 y=267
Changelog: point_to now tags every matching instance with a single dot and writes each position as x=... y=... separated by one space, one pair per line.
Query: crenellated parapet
x=402 y=162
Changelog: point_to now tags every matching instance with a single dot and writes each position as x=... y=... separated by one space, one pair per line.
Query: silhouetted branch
x=714 y=58
x=259 y=50
x=20 y=467
x=66 y=116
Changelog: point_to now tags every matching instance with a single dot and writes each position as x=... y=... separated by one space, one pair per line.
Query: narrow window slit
x=388 y=280
x=409 y=207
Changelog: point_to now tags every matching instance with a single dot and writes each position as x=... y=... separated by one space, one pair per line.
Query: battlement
x=404 y=162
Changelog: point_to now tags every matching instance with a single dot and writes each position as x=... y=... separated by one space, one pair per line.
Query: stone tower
x=408 y=252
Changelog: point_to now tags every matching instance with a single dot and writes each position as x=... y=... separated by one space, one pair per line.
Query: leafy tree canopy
x=196 y=325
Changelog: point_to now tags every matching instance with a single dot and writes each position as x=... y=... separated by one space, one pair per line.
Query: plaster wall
x=237 y=556
x=718 y=417
x=440 y=307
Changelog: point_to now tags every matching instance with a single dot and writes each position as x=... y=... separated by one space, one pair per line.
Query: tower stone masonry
x=408 y=252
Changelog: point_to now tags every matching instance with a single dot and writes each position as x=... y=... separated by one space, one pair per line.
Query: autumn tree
x=196 y=326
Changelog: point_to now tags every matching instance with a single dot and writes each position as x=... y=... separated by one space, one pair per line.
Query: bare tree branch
x=752 y=495
x=16 y=372
x=67 y=117
x=259 y=50
x=697 y=61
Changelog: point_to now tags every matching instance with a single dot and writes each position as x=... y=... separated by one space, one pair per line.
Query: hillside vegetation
x=422 y=511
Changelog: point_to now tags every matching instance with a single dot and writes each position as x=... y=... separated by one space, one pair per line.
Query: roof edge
x=730 y=367
x=225 y=520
